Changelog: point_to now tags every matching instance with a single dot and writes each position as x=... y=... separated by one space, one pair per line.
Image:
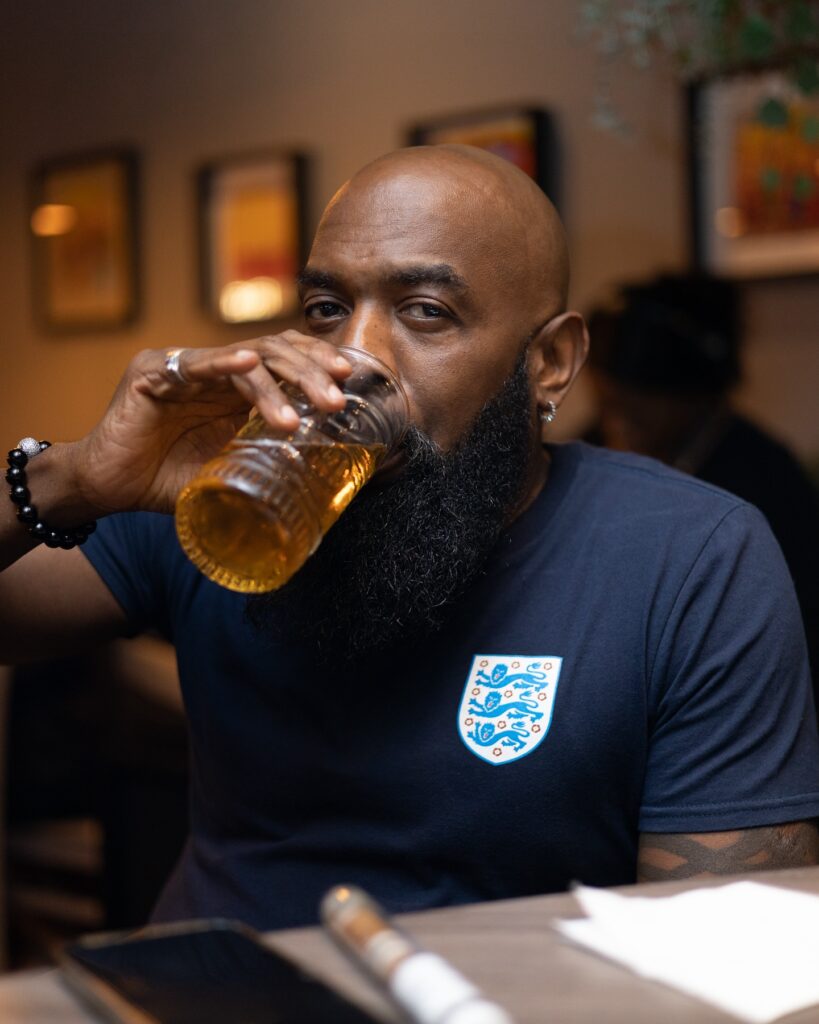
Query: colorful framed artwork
x=253 y=244
x=83 y=218
x=754 y=176
x=523 y=135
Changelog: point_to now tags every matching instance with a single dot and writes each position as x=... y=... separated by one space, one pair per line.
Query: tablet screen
x=216 y=976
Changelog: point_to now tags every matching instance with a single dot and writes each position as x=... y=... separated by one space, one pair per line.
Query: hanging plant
x=703 y=38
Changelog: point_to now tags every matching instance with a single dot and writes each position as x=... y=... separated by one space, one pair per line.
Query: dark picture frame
x=252 y=235
x=525 y=135
x=84 y=230
x=753 y=176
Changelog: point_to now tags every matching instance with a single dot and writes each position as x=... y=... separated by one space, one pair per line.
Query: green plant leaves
x=709 y=36
x=699 y=39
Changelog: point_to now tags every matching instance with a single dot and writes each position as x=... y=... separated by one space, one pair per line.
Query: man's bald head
x=499 y=206
x=448 y=263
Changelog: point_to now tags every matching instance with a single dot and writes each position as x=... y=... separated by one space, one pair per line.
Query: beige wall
x=189 y=80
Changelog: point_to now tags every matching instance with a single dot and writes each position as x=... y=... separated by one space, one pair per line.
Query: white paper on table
x=748 y=948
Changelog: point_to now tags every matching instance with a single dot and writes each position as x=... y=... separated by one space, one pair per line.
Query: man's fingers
x=197 y=365
x=321 y=352
x=257 y=368
x=302 y=369
x=271 y=402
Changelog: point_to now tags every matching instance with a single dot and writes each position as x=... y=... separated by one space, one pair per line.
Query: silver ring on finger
x=172 y=366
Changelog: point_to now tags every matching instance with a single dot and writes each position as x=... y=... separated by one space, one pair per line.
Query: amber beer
x=246 y=538
x=256 y=512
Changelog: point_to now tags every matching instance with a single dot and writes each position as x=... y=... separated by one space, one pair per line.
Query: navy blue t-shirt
x=631 y=659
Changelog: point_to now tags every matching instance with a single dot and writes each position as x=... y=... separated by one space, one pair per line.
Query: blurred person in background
x=665 y=358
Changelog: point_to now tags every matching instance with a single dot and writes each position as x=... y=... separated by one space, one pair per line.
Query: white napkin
x=750 y=949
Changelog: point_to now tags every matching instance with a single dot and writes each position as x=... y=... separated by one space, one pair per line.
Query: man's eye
x=323 y=310
x=424 y=311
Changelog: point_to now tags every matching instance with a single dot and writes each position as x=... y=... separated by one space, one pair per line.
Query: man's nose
x=370 y=329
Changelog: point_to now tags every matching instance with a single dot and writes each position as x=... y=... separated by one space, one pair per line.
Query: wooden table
x=508 y=948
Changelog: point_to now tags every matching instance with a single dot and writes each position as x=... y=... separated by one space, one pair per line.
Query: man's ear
x=557 y=353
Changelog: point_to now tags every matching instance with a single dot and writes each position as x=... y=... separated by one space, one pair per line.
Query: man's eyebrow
x=415 y=274
x=429 y=273
x=309 y=278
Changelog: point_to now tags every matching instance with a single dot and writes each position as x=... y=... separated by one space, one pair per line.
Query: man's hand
x=159 y=430
x=702 y=855
x=155 y=435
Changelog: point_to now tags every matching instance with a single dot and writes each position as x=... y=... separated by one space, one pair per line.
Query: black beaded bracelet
x=26 y=512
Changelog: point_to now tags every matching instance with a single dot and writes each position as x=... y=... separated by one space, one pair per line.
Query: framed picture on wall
x=252 y=228
x=754 y=141
x=83 y=220
x=523 y=135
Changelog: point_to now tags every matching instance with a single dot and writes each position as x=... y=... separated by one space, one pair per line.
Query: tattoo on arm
x=664 y=857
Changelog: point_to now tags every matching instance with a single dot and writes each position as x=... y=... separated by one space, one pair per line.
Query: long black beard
x=399 y=558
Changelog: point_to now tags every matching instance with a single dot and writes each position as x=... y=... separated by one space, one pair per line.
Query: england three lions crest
x=506 y=709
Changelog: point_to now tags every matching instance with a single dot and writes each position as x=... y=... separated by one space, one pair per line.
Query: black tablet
x=200 y=972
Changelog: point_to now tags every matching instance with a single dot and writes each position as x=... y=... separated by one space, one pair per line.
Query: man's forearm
x=52 y=602
x=665 y=857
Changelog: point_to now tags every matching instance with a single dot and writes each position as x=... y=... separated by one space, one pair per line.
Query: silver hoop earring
x=548 y=414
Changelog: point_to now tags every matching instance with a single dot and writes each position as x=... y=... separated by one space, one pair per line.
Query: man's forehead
x=399 y=228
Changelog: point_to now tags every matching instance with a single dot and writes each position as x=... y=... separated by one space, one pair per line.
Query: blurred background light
x=53 y=219
x=260 y=298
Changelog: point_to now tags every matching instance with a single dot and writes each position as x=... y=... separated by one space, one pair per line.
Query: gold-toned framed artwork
x=252 y=228
x=754 y=176
x=523 y=135
x=83 y=221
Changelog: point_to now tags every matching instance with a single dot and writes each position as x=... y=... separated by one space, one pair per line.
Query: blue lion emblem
x=486 y=736
x=519 y=680
x=492 y=707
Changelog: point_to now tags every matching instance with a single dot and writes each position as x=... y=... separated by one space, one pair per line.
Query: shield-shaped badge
x=506 y=709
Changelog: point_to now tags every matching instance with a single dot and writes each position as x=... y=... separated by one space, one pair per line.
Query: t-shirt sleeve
x=133 y=553
x=732 y=724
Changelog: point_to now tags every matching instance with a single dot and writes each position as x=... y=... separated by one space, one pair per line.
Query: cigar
x=427 y=988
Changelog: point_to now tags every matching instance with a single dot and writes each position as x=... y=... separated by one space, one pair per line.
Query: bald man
x=509 y=665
